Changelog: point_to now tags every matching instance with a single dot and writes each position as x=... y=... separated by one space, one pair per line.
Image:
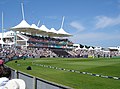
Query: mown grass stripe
x=97 y=75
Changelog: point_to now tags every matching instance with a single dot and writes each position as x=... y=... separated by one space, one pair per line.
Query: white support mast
x=22 y=11
x=38 y=23
x=62 y=21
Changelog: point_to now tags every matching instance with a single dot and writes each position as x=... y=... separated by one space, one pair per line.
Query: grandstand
x=25 y=36
x=46 y=46
x=23 y=40
x=49 y=42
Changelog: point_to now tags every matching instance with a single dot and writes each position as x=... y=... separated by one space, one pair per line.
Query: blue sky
x=91 y=22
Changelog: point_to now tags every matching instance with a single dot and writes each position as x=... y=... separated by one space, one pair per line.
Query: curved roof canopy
x=63 y=33
x=44 y=28
x=34 y=29
x=23 y=26
x=52 y=32
x=34 y=26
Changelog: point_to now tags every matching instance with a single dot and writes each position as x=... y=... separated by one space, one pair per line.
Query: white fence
x=36 y=83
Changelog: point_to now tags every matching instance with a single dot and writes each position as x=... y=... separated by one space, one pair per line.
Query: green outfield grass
x=102 y=66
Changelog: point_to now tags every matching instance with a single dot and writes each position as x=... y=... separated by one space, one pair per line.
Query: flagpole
x=2 y=30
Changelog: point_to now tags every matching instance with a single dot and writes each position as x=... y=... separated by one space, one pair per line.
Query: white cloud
x=88 y=36
x=78 y=26
x=104 y=21
x=94 y=38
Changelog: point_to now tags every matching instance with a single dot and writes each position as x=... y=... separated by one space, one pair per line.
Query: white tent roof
x=34 y=26
x=91 y=48
x=98 y=48
x=84 y=48
x=112 y=47
x=44 y=28
x=62 y=32
x=78 y=48
x=53 y=30
x=22 y=24
x=34 y=29
x=25 y=27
